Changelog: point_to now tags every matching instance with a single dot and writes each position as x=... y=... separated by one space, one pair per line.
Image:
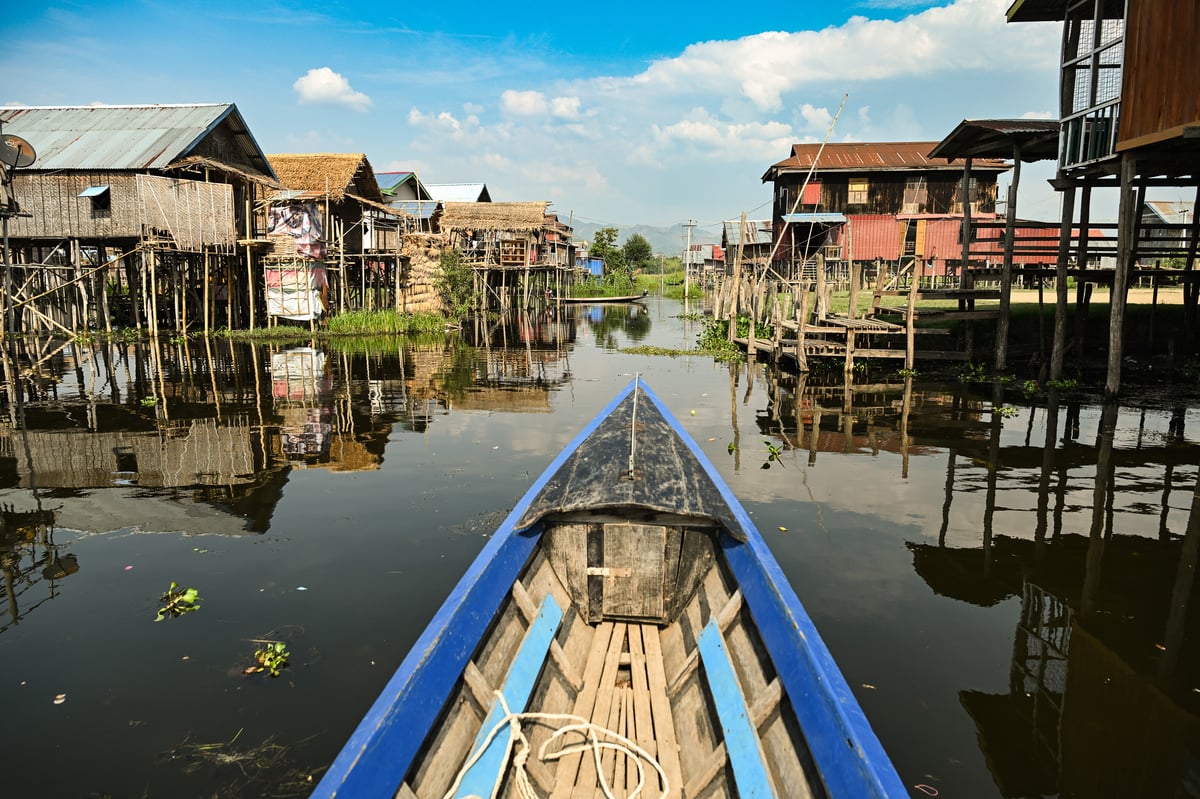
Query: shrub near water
x=385 y=322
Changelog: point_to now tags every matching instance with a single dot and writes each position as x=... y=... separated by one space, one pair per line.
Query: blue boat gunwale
x=848 y=755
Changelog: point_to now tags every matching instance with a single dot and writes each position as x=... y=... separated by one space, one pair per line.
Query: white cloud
x=323 y=85
x=643 y=146
x=565 y=107
x=763 y=68
x=1039 y=115
x=527 y=103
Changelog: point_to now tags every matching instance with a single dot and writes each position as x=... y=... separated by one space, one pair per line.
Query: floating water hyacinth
x=178 y=601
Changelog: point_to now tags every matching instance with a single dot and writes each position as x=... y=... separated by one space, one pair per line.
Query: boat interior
x=632 y=622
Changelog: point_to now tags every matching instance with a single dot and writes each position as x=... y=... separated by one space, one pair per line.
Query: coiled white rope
x=592 y=732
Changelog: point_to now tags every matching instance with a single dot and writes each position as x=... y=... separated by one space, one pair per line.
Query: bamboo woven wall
x=58 y=212
x=192 y=212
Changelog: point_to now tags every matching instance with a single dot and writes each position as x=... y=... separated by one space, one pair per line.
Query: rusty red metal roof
x=874 y=157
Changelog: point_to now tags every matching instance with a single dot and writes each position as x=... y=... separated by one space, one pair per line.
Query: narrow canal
x=1007 y=580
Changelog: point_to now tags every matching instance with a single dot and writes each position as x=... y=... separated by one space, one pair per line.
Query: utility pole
x=687 y=260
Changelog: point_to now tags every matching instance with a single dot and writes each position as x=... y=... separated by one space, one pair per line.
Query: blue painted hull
x=848 y=756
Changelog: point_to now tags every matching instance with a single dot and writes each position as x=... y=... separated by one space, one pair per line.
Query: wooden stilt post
x=1127 y=216
x=1059 y=346
x=1081 y=262
x=1006 y=269
x=966 y=225
x=822 y=308
x=802 y=322
x=153 y=314
x=910 y=334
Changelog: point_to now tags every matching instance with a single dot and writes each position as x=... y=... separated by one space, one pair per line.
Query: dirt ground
x=1167 y=295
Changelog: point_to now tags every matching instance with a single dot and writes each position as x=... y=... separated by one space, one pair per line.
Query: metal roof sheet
x=996 y=138
x=758 y=231
x=458 y=192
x=873 y=236
x=422 y=209
x=1171 y=210
x=390 y=180
x=870 y=157
x=99 y=137
x=818 y=218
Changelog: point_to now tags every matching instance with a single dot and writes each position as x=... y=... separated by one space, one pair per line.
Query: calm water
x=1011 y=597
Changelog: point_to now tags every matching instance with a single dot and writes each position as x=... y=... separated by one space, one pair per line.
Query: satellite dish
x=15 y=151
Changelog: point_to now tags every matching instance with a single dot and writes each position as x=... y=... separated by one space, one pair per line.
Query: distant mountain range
x=664 y=240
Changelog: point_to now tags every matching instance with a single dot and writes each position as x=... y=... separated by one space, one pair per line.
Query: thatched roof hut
x=312 y=175
x=494 y=216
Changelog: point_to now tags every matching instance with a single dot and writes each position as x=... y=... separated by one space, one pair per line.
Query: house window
x=100 y=197
x=812 y=193
x=972 y=191
x=916 y=191
x=858 y=192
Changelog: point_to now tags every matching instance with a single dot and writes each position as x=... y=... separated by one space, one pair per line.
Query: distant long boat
x=625 y=633
x=626 y=298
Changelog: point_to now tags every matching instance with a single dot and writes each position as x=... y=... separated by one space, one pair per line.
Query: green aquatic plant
x=271 y=657
x=150 y=401
x=178 y=601
x=1005 y=411
x=971 y=372
x=774 y=455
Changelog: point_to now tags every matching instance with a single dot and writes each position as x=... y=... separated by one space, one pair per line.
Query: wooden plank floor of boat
x=625 y=691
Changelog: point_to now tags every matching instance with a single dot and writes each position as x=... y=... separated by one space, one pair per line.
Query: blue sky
x=620 y=113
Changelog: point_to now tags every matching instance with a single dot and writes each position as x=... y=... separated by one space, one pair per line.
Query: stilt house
x=505 y=244
x=405 y=192
x=871 y=202
x=333 y=243
x=135 y=215
x=752 y=244
x=1129 y=94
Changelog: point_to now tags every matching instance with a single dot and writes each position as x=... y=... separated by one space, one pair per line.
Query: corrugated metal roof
x=820 y=218
x=390 y=180
x=136 y=137
x=758 y=231
x=871 y=157
x=1172 y=211
x=422 y=209
x=873 y=236
x=459 y=192
x=996 y=138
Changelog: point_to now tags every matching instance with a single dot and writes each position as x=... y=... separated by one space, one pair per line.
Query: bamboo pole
x=801 y=356
x=1058 y=348
x=1126 y=250
x=910 y=334
x=152 y=257
x=1006 y=270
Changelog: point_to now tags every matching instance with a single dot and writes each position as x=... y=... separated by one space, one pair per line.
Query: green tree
x=618 y=277
x=604 y=246
x=638 y=252
x=456 y=285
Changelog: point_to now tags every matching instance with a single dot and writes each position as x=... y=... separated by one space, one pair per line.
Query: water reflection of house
x=1097 y=706
x=28 y=558
x=189 y=453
